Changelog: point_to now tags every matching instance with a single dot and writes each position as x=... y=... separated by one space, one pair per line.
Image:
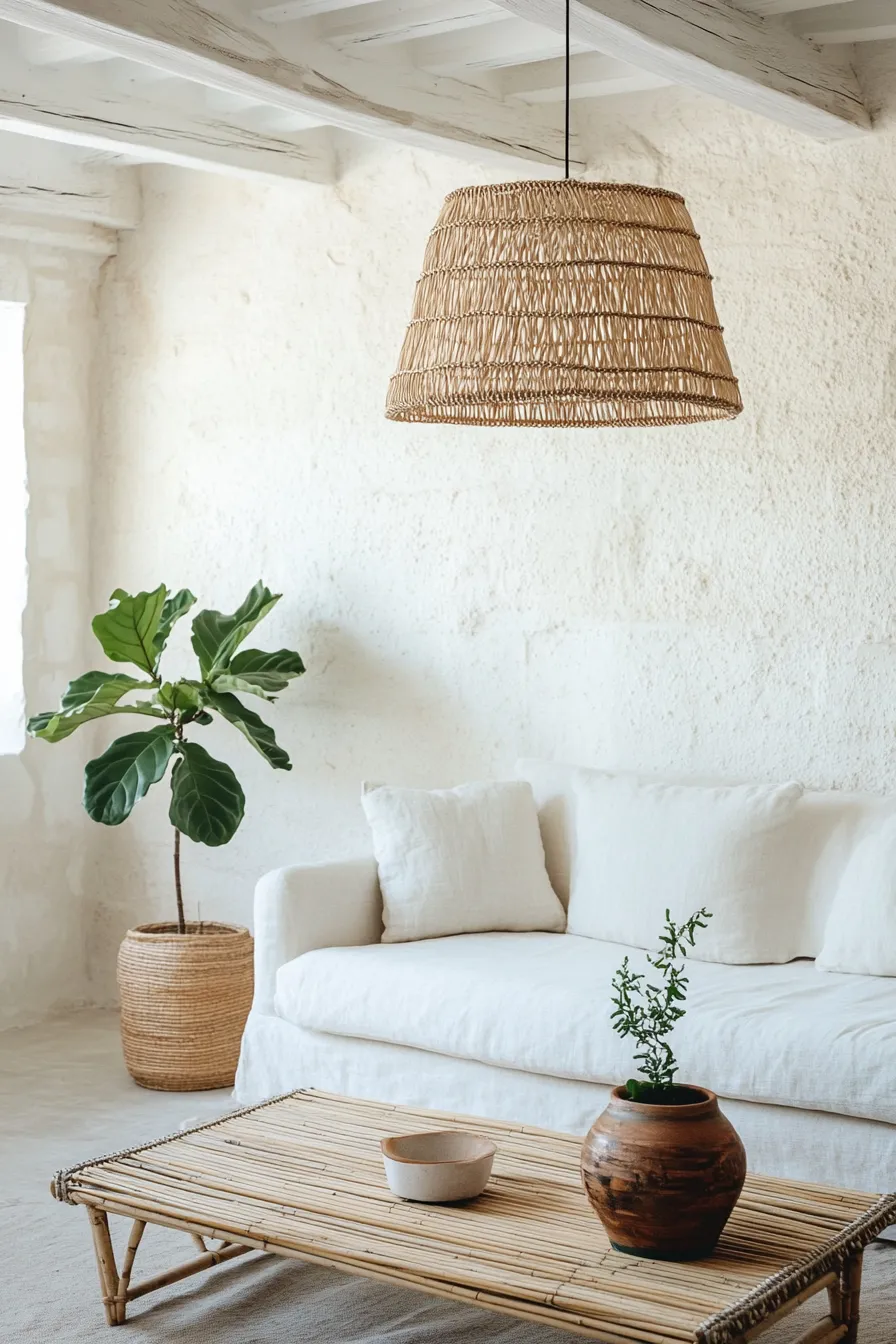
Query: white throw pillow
x=860 y=935
x=464 y=860
x=642 y=846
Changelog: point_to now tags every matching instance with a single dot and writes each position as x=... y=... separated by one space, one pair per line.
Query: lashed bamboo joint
x=563 y=303
x=302 y=1176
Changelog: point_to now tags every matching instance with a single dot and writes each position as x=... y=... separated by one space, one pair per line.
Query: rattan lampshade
x=563 y=303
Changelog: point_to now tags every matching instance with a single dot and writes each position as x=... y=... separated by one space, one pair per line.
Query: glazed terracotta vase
x=663 y=1179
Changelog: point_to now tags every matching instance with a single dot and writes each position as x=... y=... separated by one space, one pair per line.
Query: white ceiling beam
x=590 y=76
x=75 y=235
x=291 y=11
x=496 y=47
x=858 y=21
x=244 y=111
x=47 y=180
x=390 y=21
x=779 y=6
x=45 y=49
x=275 y=121
x=756 y=63
x=232 y=51
x=76 y=109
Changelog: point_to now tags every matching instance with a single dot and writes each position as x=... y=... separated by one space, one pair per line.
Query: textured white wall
x=44 y=836
x=716 y=599
x=13 y=519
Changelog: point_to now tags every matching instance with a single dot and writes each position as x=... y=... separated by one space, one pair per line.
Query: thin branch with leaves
x=648 y=1012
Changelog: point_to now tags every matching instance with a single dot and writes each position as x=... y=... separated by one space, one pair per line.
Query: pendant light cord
x=566 y=123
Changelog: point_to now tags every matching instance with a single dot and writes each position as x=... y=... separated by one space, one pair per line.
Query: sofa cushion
x=541 y=1002
x=860 y=937
x=645 y=846
x=464 y=860
x=825 y=829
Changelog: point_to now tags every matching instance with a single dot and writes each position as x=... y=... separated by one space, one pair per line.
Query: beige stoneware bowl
x=438 y=1167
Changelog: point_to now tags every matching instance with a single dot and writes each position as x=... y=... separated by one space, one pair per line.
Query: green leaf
x=116 y=780
x=92 y=696
x=254 y=729
x=86 y=688
x=185 y=696
x=38 y=722
x=175 y=606
x=260 y=673
x=129 y=629
x=207 y=803
x=226 y=682
x=216 y=636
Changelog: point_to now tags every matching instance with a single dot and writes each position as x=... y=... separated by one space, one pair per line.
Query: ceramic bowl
x=438 y=1167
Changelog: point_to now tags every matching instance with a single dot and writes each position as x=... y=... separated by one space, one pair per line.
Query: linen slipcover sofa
x=517 y=1026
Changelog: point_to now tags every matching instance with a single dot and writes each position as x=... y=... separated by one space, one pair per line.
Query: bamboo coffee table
x=302 y=1176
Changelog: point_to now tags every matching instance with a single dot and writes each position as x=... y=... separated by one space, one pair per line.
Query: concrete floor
x=65 y=1097
x=68 y=1074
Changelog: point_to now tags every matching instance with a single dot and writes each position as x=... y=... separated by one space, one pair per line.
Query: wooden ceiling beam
x=591 y=76
x=385 y=22
x=74 y=107
x=756 y=63
x=779 y=6
x=45 y=180
x=857 y=21
x=230 y=51
x=499 y=46
x=293 y=11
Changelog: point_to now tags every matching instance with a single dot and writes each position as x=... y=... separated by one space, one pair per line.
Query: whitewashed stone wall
x=715 y=599
x=44 y=837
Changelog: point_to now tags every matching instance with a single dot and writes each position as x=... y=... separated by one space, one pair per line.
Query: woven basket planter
x=185 y=998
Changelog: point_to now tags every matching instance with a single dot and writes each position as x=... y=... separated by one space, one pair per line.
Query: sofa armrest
x=312 y=905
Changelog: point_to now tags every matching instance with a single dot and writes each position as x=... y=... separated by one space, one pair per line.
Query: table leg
x=105 y=1263
x=116 y=1287
x=850 y=1290
x=124 y=1278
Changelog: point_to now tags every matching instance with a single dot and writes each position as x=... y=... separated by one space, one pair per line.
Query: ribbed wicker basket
x=563 y=303
x=185 y=998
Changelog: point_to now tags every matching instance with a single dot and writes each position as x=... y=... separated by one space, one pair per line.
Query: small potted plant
x=185 y=986
x=662 y=1166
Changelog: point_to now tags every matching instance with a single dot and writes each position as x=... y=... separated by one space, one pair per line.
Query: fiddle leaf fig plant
x=648 y=1012
x=207 y=802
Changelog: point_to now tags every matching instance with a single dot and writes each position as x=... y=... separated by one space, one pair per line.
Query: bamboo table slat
x=302 y=1176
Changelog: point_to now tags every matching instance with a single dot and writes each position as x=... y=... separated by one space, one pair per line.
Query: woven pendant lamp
x=563 y=303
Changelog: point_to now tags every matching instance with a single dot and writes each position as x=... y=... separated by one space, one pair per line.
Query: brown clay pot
x=663 y=1179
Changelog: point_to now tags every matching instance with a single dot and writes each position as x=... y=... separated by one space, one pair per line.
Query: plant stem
x=181 y=922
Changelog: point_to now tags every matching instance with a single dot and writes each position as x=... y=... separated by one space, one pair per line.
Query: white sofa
x=517 y=1025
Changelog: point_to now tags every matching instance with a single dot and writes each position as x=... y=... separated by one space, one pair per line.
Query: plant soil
x=677 y=1095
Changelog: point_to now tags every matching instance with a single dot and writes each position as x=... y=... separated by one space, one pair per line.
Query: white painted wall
x=13 y=513
x=44 y=837
x=720 y=598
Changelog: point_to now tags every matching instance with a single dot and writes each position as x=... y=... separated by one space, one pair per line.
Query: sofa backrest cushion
x=860 y=935
x=825 y=827
x=645 y=846
x=464 y=860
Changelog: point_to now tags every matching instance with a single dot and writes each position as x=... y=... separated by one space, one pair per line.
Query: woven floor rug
x=64 y=1097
